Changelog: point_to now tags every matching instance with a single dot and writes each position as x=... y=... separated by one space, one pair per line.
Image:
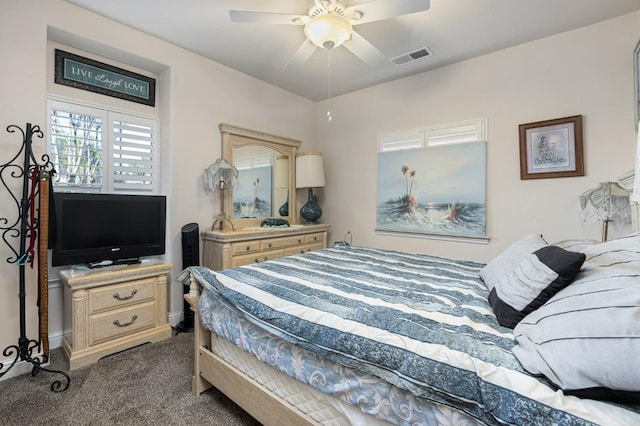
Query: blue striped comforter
x=419 y=322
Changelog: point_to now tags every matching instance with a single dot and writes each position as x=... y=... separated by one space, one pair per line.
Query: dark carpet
x=146 y=385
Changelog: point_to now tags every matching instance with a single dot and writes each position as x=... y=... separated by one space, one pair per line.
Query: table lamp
x=220 y=175
x=608 y=202
x=310 y=174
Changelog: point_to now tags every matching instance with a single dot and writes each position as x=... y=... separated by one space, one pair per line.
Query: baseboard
x=55 y=339
x=174 y=318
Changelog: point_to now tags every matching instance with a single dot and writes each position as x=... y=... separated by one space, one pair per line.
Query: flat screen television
x=100 y=229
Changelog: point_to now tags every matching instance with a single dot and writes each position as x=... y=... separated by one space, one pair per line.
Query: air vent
x=412 y=56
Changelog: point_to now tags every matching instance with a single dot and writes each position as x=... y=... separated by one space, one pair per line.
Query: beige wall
x=587 y=71
x=195 y=95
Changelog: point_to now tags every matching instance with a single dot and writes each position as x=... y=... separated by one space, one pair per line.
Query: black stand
x=22 y=229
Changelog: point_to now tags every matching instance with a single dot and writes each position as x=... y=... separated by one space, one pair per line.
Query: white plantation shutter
x=133 y=155
x=103 y=151
x=460 y=132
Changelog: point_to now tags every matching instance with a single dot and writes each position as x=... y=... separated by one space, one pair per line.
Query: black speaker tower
x=190 y=257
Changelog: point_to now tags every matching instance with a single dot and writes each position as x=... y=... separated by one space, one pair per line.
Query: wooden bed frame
x=212 y=371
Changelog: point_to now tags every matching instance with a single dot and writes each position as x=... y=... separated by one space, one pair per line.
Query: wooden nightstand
x=228 y=249
x=114 y=309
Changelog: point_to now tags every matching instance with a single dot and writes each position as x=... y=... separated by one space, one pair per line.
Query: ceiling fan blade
x=266 y=17
x=364 y=50
x=378 y=10
x=303 y=53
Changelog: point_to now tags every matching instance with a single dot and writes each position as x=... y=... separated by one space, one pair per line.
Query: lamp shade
x=328 y=30
x=281 y=172
x=219 y=175
x=309 y=170
x=607 y=201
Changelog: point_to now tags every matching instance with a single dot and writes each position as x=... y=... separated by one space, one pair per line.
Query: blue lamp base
x=311 y=212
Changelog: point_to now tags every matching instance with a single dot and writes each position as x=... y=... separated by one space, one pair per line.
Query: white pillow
x=575 y=245
x=586 y=339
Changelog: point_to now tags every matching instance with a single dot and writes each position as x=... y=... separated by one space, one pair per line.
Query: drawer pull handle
x=133 y=319
x=269 y=245
x=299 y=241
x=118 y=297
x=248 y=248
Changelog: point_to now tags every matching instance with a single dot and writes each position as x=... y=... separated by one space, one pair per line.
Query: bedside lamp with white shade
x=608 y=202
x=220 y=175
x=310 y=174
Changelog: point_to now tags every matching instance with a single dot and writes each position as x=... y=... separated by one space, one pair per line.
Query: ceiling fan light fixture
x=328 y=31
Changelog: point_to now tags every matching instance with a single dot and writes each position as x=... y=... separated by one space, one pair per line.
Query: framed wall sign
x=87 y=74
x=551 y=148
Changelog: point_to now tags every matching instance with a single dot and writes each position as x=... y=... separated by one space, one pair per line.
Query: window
x=100 y=150
x=465 y=131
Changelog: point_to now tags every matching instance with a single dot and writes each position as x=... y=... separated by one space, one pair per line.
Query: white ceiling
x=453 y=30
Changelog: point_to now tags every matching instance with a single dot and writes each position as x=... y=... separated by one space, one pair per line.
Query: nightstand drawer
x=302 y=249
x=116 y=296
x=256 y=258
x=245 y=247
x=123 y=321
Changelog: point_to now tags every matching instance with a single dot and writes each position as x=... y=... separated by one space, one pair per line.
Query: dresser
x=229 y=249
x=115 y=309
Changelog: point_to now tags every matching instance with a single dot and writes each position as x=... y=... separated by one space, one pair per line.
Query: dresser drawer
x=116 y=296
x=256 y=257
x=245 y=247
x=112 y=324
x=302 y=249
x=314 y=238
x=275 y=243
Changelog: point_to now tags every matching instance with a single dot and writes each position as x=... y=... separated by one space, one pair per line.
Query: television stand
x=114 y=309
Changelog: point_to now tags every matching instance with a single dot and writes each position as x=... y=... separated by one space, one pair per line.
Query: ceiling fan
x=329 y=24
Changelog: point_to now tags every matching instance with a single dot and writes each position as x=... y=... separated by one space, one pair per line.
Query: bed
x=357 y=335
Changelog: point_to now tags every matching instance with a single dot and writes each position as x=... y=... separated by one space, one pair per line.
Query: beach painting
x=439 y=190
x=252 y=196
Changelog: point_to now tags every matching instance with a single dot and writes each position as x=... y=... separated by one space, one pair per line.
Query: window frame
x=109 y=116
x=442 y=134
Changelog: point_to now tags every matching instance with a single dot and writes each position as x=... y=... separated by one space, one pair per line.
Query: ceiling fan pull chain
x=329 y=116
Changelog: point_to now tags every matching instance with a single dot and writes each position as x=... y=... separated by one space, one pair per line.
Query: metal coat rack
x=22 y=232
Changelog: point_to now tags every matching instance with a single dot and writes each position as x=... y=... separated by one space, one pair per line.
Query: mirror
x=266 y=177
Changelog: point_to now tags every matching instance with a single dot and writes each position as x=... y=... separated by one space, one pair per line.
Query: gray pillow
x=506 y=261
x=586 y=339
x=532 y=282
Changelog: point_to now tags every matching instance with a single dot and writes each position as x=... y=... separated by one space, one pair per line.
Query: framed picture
x=439 y=191
x=636 y=83
x=551 y=148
